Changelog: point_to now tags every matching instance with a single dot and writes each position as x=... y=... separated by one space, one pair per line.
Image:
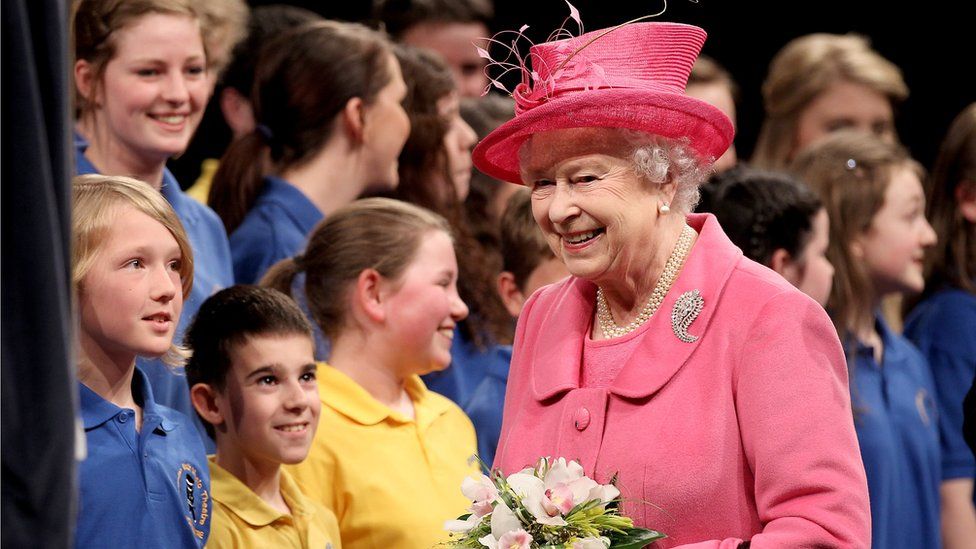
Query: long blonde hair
x=95 y=206
x=801 y=71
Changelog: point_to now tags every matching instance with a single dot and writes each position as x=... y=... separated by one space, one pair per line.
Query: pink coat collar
x=558 y=346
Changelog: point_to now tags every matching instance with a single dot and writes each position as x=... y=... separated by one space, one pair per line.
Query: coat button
x=581 y=419
x=123 y=417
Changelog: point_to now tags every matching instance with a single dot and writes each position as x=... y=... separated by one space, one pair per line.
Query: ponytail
x=281 y=276
x=239 y=180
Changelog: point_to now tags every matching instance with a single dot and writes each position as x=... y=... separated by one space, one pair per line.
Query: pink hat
x=631 y=77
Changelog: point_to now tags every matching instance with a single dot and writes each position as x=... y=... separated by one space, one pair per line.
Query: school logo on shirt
x=196 y=500
x=925 y=406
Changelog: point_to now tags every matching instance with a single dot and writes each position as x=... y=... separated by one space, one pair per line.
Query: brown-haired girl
x=141 y=86
x=330 y=126
x=942 y=323
x=144 y=476
x=435 y=171
x=389 y=455
x=873 y=194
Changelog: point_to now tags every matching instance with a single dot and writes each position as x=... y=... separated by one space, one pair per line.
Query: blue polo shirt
x=476 y=381
x=485 y=405
x=141 y=489
x=211 y=272
x=943 y=326
x=275 y=228
x=896 y=419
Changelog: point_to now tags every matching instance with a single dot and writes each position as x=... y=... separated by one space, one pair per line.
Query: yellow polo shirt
x=391 y=480
x=241 y=519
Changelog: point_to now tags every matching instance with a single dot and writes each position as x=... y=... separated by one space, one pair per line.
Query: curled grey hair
x=660 y=160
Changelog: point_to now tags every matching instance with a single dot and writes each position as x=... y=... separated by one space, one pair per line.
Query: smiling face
x=386 y=128
x=892 y=249
x=596 y=213
x=270 y=402
x=845 y=105
x=153 y=92
x=130 y=299
x=423 y=307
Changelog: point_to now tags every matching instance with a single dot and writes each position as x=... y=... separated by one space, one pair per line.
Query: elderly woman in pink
x=715 y=391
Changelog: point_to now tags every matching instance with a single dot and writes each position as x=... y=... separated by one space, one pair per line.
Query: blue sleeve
x=942 y=329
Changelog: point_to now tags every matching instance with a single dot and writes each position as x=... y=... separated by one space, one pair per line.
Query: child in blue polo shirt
x=141 y=86
x=144 y=481
x=252 y=379
x=879 y=235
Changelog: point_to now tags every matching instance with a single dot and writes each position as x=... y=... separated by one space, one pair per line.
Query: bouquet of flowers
x=550 y=506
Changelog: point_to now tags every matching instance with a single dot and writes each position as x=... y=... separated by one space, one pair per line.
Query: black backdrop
x=932 y=42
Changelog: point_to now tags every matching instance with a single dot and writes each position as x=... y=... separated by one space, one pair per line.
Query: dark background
x=931 y=42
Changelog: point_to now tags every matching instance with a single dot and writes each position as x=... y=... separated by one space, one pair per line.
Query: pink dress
x=744 y=434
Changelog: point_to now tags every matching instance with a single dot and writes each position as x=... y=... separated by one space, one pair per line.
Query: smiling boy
x=252 y=380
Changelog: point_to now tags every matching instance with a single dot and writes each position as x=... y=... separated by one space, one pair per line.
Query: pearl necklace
x=671 y=270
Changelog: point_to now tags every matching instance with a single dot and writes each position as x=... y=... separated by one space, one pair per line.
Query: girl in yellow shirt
x=389 y=456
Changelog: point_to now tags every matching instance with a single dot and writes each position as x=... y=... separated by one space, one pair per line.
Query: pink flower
x=558 y=500
x=516 y=539
x=481 y=492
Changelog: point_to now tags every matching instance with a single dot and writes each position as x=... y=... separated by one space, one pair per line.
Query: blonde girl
x=141 y=86
x=821 y=83
x=389 y=455
x=145 y=474
x=878 y=237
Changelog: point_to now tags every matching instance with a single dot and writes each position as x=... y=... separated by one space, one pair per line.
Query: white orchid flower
x=532 y=491
x=503 y=521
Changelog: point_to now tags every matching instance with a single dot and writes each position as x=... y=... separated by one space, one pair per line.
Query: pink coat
x=745 y=434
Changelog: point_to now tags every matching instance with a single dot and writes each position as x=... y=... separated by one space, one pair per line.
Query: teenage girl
x=777 y=221
x=942 y=323
x=329 y=126
x=145 y=474
x=879 y=235
x=141 y=81
x=390 y=455
x=435 y=172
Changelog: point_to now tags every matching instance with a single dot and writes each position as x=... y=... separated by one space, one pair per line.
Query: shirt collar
x=95 y=410
x=707 y=270
x=243 y=502
x=347 y=397
x=170 y=188
x=296 y=205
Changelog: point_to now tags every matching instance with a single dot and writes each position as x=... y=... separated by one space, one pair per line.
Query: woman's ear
x=204 y=399
x=354 y=119
x=782 y=262
x=370 y=295
x=84 y=79
x=966 y=200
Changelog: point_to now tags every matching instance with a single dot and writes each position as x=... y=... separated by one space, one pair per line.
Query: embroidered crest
x=686 y=310
x=924 y=403
x=195 y=497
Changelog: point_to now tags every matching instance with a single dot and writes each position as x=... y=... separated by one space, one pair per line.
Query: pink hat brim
x=670 y=115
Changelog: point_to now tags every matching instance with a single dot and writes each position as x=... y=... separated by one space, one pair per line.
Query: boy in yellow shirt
x=252 y=380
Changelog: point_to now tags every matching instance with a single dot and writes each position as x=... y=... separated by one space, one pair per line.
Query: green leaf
x=635 y=538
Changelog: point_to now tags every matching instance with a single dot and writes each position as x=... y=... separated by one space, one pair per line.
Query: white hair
x=660 y=160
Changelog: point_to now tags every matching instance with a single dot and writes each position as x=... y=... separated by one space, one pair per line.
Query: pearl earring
x=664 y=208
